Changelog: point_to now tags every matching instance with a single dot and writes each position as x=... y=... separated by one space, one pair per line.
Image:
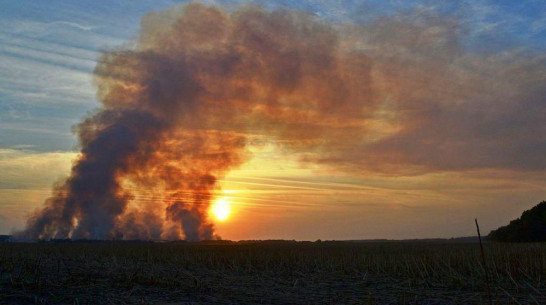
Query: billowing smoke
x=397 y=95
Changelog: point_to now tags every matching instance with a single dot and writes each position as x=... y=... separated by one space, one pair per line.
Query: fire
x=220 y=209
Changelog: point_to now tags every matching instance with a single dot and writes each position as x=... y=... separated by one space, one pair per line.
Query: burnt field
x=270 y=273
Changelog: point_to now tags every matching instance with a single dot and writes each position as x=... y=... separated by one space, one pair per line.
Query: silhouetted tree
x=530 y=227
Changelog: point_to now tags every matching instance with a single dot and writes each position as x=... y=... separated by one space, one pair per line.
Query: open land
x=416 y=272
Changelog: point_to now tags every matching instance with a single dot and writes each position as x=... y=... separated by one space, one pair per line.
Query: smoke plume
x=397 y=96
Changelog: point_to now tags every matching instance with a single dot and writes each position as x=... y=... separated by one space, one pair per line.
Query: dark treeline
x=530 y=227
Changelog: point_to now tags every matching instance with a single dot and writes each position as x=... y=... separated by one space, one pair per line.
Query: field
x=270 y=273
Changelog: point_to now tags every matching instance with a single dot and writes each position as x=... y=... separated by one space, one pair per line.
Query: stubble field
x=270 y=273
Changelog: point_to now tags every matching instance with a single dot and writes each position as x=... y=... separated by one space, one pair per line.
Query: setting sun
x=220 y=208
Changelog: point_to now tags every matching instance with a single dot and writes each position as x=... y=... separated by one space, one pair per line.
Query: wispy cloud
x=46 y=73
x=72 y=24
x=25 y=169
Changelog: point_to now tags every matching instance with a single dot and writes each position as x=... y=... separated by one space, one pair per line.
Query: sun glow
x=220 y=208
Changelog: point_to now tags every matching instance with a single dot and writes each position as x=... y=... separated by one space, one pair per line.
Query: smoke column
x=176 y=112
x=396 y=96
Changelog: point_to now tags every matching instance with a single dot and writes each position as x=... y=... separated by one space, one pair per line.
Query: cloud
x=447 y=108
x=72 y=24
x=32 y=170
x=42 y=83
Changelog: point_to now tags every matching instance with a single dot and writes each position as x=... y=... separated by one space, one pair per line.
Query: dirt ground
x=146 y=273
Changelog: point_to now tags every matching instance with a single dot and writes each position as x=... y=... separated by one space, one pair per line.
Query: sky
x=440 y=120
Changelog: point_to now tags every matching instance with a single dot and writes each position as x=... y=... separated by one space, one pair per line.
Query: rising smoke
x=395 y=96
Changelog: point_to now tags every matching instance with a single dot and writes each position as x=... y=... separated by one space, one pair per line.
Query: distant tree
x=530 y=227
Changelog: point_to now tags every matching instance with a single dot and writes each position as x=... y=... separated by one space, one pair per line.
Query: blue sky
x=48 y=50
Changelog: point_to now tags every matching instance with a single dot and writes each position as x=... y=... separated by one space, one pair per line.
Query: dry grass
x=266 y=273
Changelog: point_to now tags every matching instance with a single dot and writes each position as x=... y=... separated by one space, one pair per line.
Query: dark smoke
x=176 y=110
x=395 y=96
